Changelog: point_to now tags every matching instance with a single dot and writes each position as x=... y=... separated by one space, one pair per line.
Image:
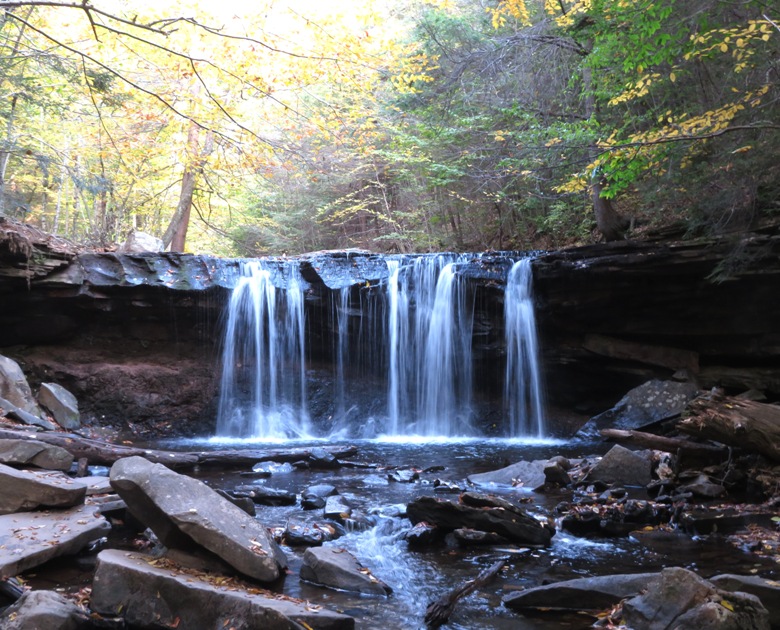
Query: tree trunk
x=609 y=221
x=746 y=424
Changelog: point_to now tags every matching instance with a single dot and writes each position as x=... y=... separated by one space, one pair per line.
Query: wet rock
x=28 y=539
x=468 y=537
x=589 y=593
x=61 y=404
x=313 y=503
x=313 y=497
x=320 y=458
x=702 y=486
x=403 y=476
x=514 y=524
x=724 y=520
x=643 y=405
x=300 y=533
x=267 y=496
x=616 y=519
x=339 y=569
x=768 y=591
x=556 y=474
x=620 y=465
x=245 y=503
x=34 y=453
x=680 y=599
x=14 y=387
x=526 y=474
x=184 y=512
x=44 y=610
x=26 y=490
x=423 y=535
x=337 y=508
x=442 y=485
x=149 y=595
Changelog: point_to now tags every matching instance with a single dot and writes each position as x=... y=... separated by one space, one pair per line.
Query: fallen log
x=746 y=424
x=439 y=612
x=663 y=443
x=98 y=453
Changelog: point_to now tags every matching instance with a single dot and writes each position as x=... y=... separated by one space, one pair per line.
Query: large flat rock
x=34 y=453
x=339 y=569
x=589 y=593
x=526 y=474
x=149 y=594
x=29 y=539
x=25 y=490
x=184 y=512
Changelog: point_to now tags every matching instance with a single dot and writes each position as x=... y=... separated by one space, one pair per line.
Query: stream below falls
x=419 y=577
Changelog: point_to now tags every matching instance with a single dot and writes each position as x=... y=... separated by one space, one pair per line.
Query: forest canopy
x=253 y=128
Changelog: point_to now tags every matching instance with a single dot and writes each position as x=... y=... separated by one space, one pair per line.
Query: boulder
x=61 y=404
x=43 y=610
x=620 y=465
x=513 y=524
x=34 y=453
x=589 y=593
x=138 y=242
x=22 y=490
x=28 y=539
x=184 y=512
x=650 y=402
x=337 y=508
x=678 y=599
x=150 y=595
x=304 y=533
x=339 y=569
x=528 y=474
x=768 y=591
x=14 y=387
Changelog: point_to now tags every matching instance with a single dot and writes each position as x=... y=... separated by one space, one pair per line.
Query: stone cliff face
x=136 y=337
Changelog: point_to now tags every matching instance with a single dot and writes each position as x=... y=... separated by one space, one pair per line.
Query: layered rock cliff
x=136 y=336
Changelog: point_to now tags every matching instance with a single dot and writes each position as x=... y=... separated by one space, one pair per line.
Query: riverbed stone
x=514 y=524
x=14 y=387
x=43 y=610
x=34 y=453
x=338 y=568
x=588 y=593
x=28 y=539
x=651 y=402
x=679 y=599
x=184 y=512
x=526 y=474
x=623 y=466
x=768 y=591
x=299 y=532
x=338 y=508
x=61 y=404
x=149 y=593
x=22 y=490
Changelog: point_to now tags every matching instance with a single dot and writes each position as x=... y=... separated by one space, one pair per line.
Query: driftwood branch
x=439 y=612
x=662 y=443
x=738 y=422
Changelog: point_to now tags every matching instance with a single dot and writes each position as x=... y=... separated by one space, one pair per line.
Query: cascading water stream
x=522 y=384
x=263 y=385
x=429 y=339
x=415 y=336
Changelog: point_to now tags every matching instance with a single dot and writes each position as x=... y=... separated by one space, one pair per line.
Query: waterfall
x=429 y=339
x=522 y=384
x=263 y=385
x=411 y=338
